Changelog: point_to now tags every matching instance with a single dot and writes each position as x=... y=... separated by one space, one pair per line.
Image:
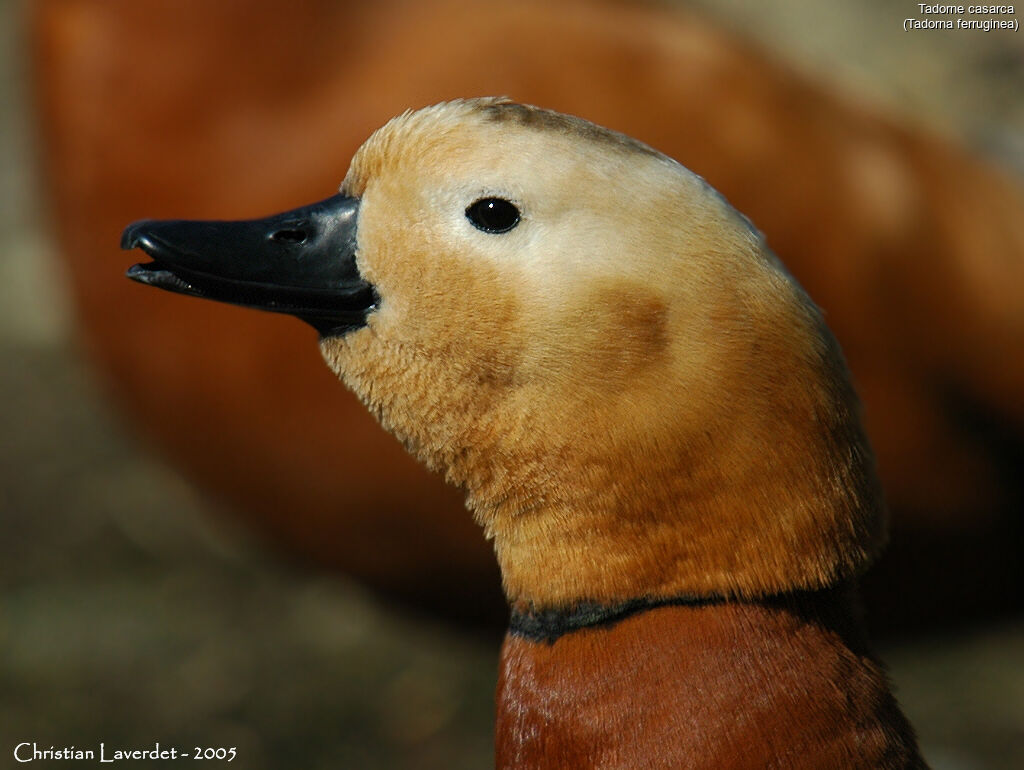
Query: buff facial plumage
x=637 y=398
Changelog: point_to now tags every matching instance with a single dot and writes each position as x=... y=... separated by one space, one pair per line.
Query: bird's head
x=635 y=395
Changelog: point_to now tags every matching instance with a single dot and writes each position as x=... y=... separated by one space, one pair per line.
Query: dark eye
x=493 y=215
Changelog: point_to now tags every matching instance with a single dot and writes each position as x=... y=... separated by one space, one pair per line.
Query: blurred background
x=181 y=559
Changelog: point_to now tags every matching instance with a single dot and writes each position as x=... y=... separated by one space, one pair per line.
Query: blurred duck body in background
x=911 y=246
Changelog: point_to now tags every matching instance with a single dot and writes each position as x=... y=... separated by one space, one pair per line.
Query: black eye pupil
x=493 y=215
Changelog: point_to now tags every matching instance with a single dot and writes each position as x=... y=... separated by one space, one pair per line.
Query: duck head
x=637 y=398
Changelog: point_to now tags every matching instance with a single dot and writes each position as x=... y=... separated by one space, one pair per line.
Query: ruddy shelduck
x=913 y=245
x=649 y=418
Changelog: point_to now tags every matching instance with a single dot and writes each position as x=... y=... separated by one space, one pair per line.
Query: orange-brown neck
x=758 y=488
x=761 y=498
x=727 y=685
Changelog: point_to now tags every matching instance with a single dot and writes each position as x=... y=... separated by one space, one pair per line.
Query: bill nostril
x=289 y=236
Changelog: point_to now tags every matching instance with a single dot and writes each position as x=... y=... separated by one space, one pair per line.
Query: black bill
x=301 y=262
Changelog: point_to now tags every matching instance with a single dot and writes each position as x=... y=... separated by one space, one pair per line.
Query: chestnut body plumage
x=648 y=416
x=781 y=684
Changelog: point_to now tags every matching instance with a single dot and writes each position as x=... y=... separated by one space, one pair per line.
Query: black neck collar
x=548 y=625
x=836 y=606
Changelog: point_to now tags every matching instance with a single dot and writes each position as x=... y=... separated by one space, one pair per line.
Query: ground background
x=130 y=614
